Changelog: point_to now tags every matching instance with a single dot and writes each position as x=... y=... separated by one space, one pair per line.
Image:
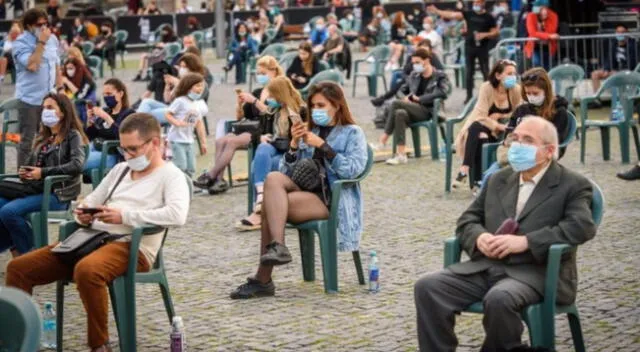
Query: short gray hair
x=549 y=133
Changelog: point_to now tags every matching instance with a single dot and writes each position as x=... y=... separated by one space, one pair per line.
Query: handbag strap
x=122 y=175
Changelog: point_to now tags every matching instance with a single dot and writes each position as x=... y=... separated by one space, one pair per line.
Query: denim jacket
x=350 y=146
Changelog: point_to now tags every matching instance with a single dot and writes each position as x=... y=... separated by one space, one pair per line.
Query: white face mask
x=49 y=117
x=182 y=71
x=536 y=100
x=138 y=163
x=426 y=26
x=71 y=73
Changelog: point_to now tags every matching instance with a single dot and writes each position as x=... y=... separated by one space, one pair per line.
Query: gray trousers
x=439 y=296
x=29 y=117
x=401 y=115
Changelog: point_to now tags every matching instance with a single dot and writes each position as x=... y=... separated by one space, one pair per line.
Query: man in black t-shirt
x=481 y=27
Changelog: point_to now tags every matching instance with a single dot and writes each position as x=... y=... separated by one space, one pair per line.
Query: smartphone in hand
x=91 y=211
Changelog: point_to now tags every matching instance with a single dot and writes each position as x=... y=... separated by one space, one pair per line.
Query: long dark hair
x=187 y=82
x=120 y=87
x=307 y=65
x=69 y=121
x=497 y=69
x=538 y=77
x=193 y=62
x=335 y=95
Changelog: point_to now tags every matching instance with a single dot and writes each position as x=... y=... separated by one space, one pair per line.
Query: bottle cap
x=373 y=253
x=48 y=305
x=176 y=321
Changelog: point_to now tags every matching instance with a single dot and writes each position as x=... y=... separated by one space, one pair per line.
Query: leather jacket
x=64 y=159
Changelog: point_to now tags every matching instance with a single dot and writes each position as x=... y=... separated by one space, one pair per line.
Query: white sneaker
x=388 y=66
x=378 y=146
x=397 y=160
x=395 y=66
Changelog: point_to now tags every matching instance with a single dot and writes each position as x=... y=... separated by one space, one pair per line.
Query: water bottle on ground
x=442 y=151
x=617 y=113
x=177 y=336
x=374 y=273
x=49 y=327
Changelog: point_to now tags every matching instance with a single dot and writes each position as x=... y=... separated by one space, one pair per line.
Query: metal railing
x=589 y=51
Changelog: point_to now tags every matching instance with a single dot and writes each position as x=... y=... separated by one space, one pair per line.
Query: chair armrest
x=435 y=109
x=5 y=127
x=356 y=64
x=553 y=270
x=2 y=176
x=134 y=247
x=452 y=251
x=49 y=181
x=106 y=146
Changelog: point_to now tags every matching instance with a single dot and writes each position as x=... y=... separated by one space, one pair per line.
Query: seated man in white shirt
x=507 y=232
x=151 y=191
x=429 y=32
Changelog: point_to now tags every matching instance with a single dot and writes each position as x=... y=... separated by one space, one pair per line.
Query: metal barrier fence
x=592 y=52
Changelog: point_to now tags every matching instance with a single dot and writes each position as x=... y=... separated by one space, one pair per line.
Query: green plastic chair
x=540 y=317
x=87 y=47
x=507 y=33
x=20 y=321
x=6 y=108
x=459 y=70
x=171 y=50
x=327 y=232
x=121 y=43
x=566 y=72
x=198 y=36
x=432 y=126
x=324 y=65
x=287 y=59
x=379 y=55
x=625 y=84
x=276 y=50
x=122 y=290
x=95 y=65
x=328 y=75
x=449 y=147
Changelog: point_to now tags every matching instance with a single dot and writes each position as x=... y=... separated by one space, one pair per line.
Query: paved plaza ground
x=407 y=218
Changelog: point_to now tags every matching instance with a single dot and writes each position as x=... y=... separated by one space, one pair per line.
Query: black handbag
x=83 y=241
x=246 y=126
x=310 y=175
x=14 y=188
x=281 y=144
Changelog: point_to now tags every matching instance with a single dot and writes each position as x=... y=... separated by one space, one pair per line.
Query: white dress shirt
x=527 y=188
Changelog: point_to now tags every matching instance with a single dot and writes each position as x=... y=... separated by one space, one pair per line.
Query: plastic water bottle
x=49 y=327
x=177 y=336
x=617 y=113
x=374 y=273
x=442 y=151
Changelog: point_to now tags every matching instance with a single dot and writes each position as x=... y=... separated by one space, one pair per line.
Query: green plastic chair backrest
x=172 y=49
x=625 y=83
x=507 y=33
x=570 y=72
x=573 y=126
x=276 y=50
x=637 y=68
x=94 y=61
x=597 y=204
x=328 y=75
x=87 y=47
x=121 y=35
x=9 y=104
x=20 y=321
x=380 y=53
x=324 y=65
x=286 y=59
x=198 y=36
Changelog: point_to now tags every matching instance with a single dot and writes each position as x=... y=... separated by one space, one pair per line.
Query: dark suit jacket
x=558 y=211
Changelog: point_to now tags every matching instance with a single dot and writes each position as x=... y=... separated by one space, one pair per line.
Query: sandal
x=257 y=207
x=246 y=225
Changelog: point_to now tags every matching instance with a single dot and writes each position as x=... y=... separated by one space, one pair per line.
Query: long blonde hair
x=74 y=52
x=270 y=63
x=281 y=89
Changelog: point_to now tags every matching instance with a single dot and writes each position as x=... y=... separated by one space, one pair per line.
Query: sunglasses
x=532 y=77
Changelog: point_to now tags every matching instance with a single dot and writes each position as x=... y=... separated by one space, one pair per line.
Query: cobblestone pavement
x=407 y=217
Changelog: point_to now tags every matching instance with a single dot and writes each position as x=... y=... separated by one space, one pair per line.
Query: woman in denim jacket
x=333 y=139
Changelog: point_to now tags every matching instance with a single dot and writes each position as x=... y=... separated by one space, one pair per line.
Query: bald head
x=542 y=133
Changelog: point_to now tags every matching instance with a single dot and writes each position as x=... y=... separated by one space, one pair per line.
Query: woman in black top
x=167 y=35
x=303 y=67
x=399 y=31
x=103 y=124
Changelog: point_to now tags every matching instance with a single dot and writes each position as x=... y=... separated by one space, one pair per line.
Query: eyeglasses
x=41 y=24
x=133 y=149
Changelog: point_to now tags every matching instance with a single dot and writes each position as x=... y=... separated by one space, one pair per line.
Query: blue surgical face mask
x=320 y=117
x=522 y=157
x=419 y=68
x=477 y=8
x=509 y=81
x=620 y=38
x=536 y=9
x=272 y=103
x=49 y=117
x=262 y=79
x=194 y=96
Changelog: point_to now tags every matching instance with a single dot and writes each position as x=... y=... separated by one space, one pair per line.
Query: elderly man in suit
x=550 y=203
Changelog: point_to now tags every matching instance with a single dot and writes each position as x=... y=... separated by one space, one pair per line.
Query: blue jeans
x=397 y=78
x=541 y=58
x=266 y=159
x=15 y=232
x=495 y=167
x=183 y=157
x=155 y=108
x=93 y=161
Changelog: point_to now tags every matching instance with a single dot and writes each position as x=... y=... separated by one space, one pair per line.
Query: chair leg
x=59 y=315
x=166 y=297
x=417 y=149
x=358 y=262
x=576 y=331
x=121 y=314
x=433 y=141
x=307 y=254
x=583 y=143
x=329 y=252
x=353 y=89
x=636 y=139
x=623 y=130
x=605 y=138
x=373 y=85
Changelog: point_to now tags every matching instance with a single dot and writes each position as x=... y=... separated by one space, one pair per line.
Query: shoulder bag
x=86 y=240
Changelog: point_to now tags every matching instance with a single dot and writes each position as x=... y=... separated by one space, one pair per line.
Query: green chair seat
x=327 y=233
x=540 y=317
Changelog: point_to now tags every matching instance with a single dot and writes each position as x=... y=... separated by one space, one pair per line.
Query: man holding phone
x=35 y=53
x=143 y=190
